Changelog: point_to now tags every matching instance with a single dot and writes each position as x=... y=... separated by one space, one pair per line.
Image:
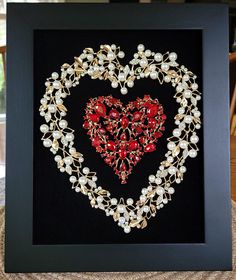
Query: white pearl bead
x=122 y=76
x=182 y=169
x=148 y=53
x=43 y=101
x=57 y=158
x=52 y=108
x=172 y=170
x=158 y=57
x=69 y=137
x=72 y=151
x=197 y=114
x=68 y=160
x=121 y=208
x=86 y=170
x=183 y=144
x=146 y=209
x=144 y=191
x=113 y=46
x=143 y=62
x=130 y=84
x=165 y=66
x=165 y=200
x=171 y=190
x=151 y=178
x=114 y=84
x=158 y=181
x=59 y=101
x=170 y=159
x=186 y=77
x=63 y=123
x=94 y=178
x=194 y=86
x=124 y=90
x=68 y=84
x=47 y=143
x=194 y=139
x=188 y=119
x=44 y=128
x=153 y=75
x=167 y=79
x=57 y=84
x=192 y=153
x=121 y=220
x=142 y=198
x=47 y=84
x=113 y=201
x=141 y=48
x=55 y=75
x=177 y=132
x=81 y=159
x=73 y=179
x=172 y=56
x=121 y=54
x=160 y=191
x=181 y=110
x=56 y=134
x=111 y=56
x=179 y=88
x=70 y=71
x=152 y=67
x=171 y=145
x=178 y=181
x=90 y=57
x=99 y=199
x=127 y=229
x=83 y=180
x=129 y=201
x=111 y=66
x=187 y=93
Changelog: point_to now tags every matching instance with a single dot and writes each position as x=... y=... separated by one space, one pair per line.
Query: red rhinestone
x=133 y=145
x=122 y=154
x=102 y=130
x=138 y=129
x=100 y=109
x=108 y=160
x=123 y=137
x=137 y=158
x=157 y=134
x=114 y=114
x=111 y=145
x=123 y=167
x=163 y=117
x=109 y=127
x=152 y=110
x=86 y=125
x=124 y=122
x=142 y=139
x=152 y=122
x=150 y=148
x=94 y=118
x=96 y=142
x=136 y=116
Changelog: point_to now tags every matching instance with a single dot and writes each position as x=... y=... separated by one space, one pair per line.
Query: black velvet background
x=62 y=216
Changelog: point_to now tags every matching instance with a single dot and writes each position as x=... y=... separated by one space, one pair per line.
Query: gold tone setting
x=105 y=65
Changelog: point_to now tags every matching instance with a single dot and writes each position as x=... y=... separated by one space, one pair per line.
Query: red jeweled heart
x=123 y=134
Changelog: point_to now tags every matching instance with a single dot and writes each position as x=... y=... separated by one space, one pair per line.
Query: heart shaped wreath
x=104 y=65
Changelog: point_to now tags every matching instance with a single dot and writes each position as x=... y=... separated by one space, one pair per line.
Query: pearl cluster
x=105 y=65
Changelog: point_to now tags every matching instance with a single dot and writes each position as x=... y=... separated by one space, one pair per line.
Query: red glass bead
x=108 y=160
x=163 y=117
x=96 y=142
x=136 y=116
x=122 y=154
x=122 y=166
x=100 y=109
x=138 y=130
x=109 y=127
x=94 y=118
x=114 y=114
x=152 y=122
x=111 y=145
x=133 y=145
x=102 y=130
x=152 y=110
x=150 y=148
x=157 y=134
x=123 y=137
x=124 y=122
x=86 y=125
x=142 y=139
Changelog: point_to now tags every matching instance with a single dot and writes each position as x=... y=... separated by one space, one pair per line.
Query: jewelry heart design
x=59 y=138
x=123 y=134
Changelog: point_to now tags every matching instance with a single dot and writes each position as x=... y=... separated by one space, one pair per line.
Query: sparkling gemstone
x=94 y=118
x=150 y=148
x=100 y=109
x=133 y=145
x=124 y=122
x=136 y=116
x=114 y=114
x=86 y=125
x=152 y=122
x=96 y=142
x=152 y=110
x=111 y=145
x=122 y=154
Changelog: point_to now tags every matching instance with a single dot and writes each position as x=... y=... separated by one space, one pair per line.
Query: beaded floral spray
x=104 y=111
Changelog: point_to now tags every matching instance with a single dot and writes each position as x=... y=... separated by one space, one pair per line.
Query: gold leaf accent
x=184 y=102
x=78 y=71
x=96 y=75
x=84 y=190
x=153 y=208
x=76 y=154
x=93 y=202
x=60 y=163
x=175 y=151
x=79 y=61
x=65 y=65
x=55 y=144
x=102 y=192
x=107 y=48
x=131 y=78
x=134 y=223
x=197 y=120
x=151 y=194
x=89 y=50
x=61 y=107
x=95 y=61
x=116 y=216
x=178 y=117
x=106 y=76
x=172 y=73
x=144 y=223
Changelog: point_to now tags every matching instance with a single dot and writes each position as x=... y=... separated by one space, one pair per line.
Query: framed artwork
x=117 y=138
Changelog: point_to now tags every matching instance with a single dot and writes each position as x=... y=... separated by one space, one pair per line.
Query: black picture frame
x=216 y=252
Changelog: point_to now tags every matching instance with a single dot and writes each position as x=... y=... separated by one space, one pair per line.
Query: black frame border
x=21 y=255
